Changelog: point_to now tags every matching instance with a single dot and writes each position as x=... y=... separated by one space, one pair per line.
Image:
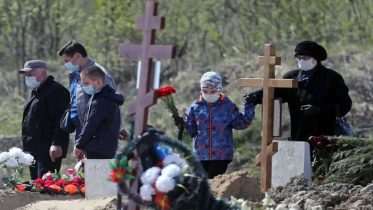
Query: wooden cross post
x=146 y=51
x=269 y=148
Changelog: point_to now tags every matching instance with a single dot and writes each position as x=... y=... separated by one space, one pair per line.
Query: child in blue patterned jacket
x=210 y=121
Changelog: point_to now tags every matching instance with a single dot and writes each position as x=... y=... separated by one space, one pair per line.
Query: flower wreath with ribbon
x=171 y=176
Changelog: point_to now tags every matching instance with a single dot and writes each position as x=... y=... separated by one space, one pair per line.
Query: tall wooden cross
x=146 y=51
x=269 y=83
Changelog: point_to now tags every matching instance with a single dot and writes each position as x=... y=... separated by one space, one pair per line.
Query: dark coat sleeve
x=97 y=112
x=56 y=108
x=342 y=99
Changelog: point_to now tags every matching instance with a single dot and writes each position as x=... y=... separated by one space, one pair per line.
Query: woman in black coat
x=321 y=96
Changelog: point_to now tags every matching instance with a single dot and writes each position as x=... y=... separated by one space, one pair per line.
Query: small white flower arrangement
x=14 y=161
x=159 y=180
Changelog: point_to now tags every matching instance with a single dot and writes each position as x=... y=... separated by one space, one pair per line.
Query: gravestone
x=292 y=159
x=1 y=178
x=96 y=171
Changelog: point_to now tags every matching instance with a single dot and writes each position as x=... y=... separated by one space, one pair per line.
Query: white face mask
x=306 y=65
x=31 y=82
x=211 y=98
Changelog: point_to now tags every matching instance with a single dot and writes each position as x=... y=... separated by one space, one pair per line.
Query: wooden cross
x=269 y=148
x=147 y=51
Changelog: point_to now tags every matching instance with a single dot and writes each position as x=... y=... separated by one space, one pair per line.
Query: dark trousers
x=78 y=130
x=215 y=167
x=95 y=155
x=42 y=165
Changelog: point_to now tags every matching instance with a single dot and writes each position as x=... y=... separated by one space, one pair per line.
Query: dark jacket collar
x=317 y=71
x=45 y=85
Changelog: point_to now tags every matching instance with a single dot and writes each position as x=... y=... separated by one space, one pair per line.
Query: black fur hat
x=312 y=49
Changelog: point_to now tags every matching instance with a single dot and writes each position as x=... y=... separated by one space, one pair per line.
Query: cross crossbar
x=276 y=83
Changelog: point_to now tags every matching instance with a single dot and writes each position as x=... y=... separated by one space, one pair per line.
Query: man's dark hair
x=93 y=72
x=72 y=47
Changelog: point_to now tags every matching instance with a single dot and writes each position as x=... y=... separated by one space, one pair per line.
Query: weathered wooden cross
x=269 y=148
x=147 y=51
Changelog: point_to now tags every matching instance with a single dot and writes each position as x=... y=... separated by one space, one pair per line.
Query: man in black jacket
x=321 y=95
x=42 y=136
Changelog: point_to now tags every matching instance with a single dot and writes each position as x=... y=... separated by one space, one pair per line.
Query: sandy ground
x=239 y=184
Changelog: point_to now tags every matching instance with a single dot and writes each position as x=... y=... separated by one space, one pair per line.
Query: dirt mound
x=79 y=204
x=330 y=196
x=10 y=200
x=239 y=184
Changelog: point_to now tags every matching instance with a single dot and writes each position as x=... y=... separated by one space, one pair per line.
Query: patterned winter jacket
x=210 y=125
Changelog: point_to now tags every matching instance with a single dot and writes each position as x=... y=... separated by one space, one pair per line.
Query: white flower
x=16 y=152
x=11 y=162
x=171 y=170
x=150 y=175
x=294 y=207
x=319 y=207
x=4 y=156
x=165 y=184
x=175 y=158
x=172 y=158
x=245 y=206
x=26 y=159
x=268 y=201
x=281 y=207
x=146 y=192
x=233 y=199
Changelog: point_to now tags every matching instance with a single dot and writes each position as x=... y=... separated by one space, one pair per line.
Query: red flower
x=319 y=144
x=321 y=177
x=333 y=148
x=61 y=182
x=162 y=201
x=313 y=140
x=20 y=188
x=75 y=183
x=39 y=181
x=48 y=183
x=116 y=175
x=53 y=188
x=166 y=91
x=71 y=189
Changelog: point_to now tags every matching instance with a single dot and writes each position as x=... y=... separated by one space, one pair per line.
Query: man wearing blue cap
x=42 y=136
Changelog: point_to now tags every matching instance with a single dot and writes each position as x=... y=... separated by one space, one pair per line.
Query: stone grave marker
x=292 y=159
x=96 y=172
x=1 y=178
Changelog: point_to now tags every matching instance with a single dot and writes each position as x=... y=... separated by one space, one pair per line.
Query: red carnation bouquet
x=165 y=94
